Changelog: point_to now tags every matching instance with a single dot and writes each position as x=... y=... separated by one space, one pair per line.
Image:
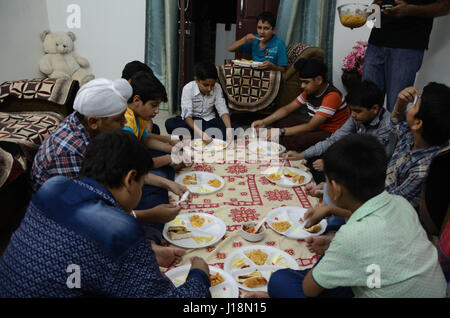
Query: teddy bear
x=60 y=61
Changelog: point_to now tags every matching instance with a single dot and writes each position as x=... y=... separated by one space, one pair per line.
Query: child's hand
x=314 y=190
x=206 y=138
x=318 y=165
x=315 y=214
x=177 y=188
x=266 y=66
x=258 y=124
x=250 y=37
x=405 y=97
x=293 y=155
x=166 y=212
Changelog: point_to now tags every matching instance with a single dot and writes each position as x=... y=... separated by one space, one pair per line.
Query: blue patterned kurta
x=79 y=222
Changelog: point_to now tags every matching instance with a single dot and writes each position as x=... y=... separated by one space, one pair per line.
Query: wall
x=223 y=40
x=112 y=32
x=21 y=21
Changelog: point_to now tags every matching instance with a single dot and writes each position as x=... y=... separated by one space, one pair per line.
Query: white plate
x=215 y=145
x=286 y=181
x=277 y=259
x=228 y=289
x=266 y=147
x=213 y=228
x=202 y=186
x=247 y=64
x=292 y=214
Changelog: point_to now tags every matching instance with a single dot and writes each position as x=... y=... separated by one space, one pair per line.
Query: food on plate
x=203 y=239
x=298 y=179
x=353 y=20
x=290 y=174
x=274 y=177
x=259 y=150
x=214 y=183
x=281 y=226
x=190 y=179
x=246 y=61
x=252 y=280
x=197 y=220
x=216 y=279
x=199 y=143
x=313 y=229
x=203 y=190
x=239 y=263
x=257 y=256
x=249 y=228
x=178 y=232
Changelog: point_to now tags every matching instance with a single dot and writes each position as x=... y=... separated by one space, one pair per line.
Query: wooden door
x=186 y=37
x=247 y=12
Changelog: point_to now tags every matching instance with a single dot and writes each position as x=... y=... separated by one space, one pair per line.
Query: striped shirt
x=328 y=104
x=61 y=153
x=408 y=169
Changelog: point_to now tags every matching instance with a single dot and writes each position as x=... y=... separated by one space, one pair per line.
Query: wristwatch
x=282 y=131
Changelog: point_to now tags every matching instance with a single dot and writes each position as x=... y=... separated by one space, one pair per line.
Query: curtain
x=161 y=46
x=308 y=21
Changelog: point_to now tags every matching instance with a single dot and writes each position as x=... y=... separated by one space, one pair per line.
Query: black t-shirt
x=405 y=32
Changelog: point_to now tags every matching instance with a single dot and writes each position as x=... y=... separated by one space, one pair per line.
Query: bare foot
x=167 y=256
x=257 y=295
x=319 y=244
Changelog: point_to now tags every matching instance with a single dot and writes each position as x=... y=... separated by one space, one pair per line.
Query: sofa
x=29 y=111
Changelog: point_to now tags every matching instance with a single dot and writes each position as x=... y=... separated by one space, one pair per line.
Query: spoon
x=184 y=197
x=259 y=224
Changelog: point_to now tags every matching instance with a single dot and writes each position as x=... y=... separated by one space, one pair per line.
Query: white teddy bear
x=60 y=61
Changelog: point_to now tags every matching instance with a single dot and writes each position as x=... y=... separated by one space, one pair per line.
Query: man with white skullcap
x=99 y=106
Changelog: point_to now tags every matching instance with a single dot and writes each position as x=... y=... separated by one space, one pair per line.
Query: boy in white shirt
x=200 y=100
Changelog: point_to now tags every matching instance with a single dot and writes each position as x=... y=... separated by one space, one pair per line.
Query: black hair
x=310 y=68
x=268 y=17
x=133 y=67
x=365 y=94
x=111 y=155
x=205 y=70
x=148 y=87
x=434 y=111
x=359 y=163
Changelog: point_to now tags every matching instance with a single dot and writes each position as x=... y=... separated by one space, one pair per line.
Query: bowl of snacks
x=353 y=15
x=248 y=232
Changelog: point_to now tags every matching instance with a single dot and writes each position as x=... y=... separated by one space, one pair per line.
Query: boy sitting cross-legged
x=365 y=257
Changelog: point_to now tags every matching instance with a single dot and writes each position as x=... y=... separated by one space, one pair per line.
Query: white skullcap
x=102 y=97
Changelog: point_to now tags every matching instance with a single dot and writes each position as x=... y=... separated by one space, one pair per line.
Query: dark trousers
x=177 y=122
x=303 y=141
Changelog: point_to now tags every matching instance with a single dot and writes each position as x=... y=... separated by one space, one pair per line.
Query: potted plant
x=353 y=65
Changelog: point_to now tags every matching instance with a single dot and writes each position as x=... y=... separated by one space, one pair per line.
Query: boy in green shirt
x=382 y=250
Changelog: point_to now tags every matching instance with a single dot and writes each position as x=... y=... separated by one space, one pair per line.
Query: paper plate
x=227 y=289
x=292 y=214
x=276 y=259
x=212 y=230
x=247 y=63
x=202 y=179
x=285 y=180
x=266 y=147
x=215 y=145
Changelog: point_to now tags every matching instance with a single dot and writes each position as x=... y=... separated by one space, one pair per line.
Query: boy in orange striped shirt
x=326 y=110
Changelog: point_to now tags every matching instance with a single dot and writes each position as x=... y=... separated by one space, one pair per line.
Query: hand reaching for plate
x=199 y=263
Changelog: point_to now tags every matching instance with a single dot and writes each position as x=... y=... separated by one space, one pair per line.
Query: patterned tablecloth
x=247 y=196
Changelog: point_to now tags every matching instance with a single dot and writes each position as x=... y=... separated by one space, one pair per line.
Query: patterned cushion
x=294 y=51
x=49 y=89
x=27 y=130
x=248 y=88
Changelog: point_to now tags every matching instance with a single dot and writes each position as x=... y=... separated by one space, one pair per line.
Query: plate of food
x=288 y=221
x=252 y=266
x=201 y=182
x=287 y=176
x=222 y=284
x=247 y=63
x=194 y=230
x=266 y=147
x=215 y=145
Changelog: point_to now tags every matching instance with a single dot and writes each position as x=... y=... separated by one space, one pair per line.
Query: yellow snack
x=353 y=20
x=201 y=239
x=257 y=256
x=274 y=177
x=197 y=220
x=214 y=183
x=281 y=226
x=216 y=279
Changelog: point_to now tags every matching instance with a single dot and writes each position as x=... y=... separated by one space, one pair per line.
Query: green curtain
x=308 y=21
x=161 y=46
